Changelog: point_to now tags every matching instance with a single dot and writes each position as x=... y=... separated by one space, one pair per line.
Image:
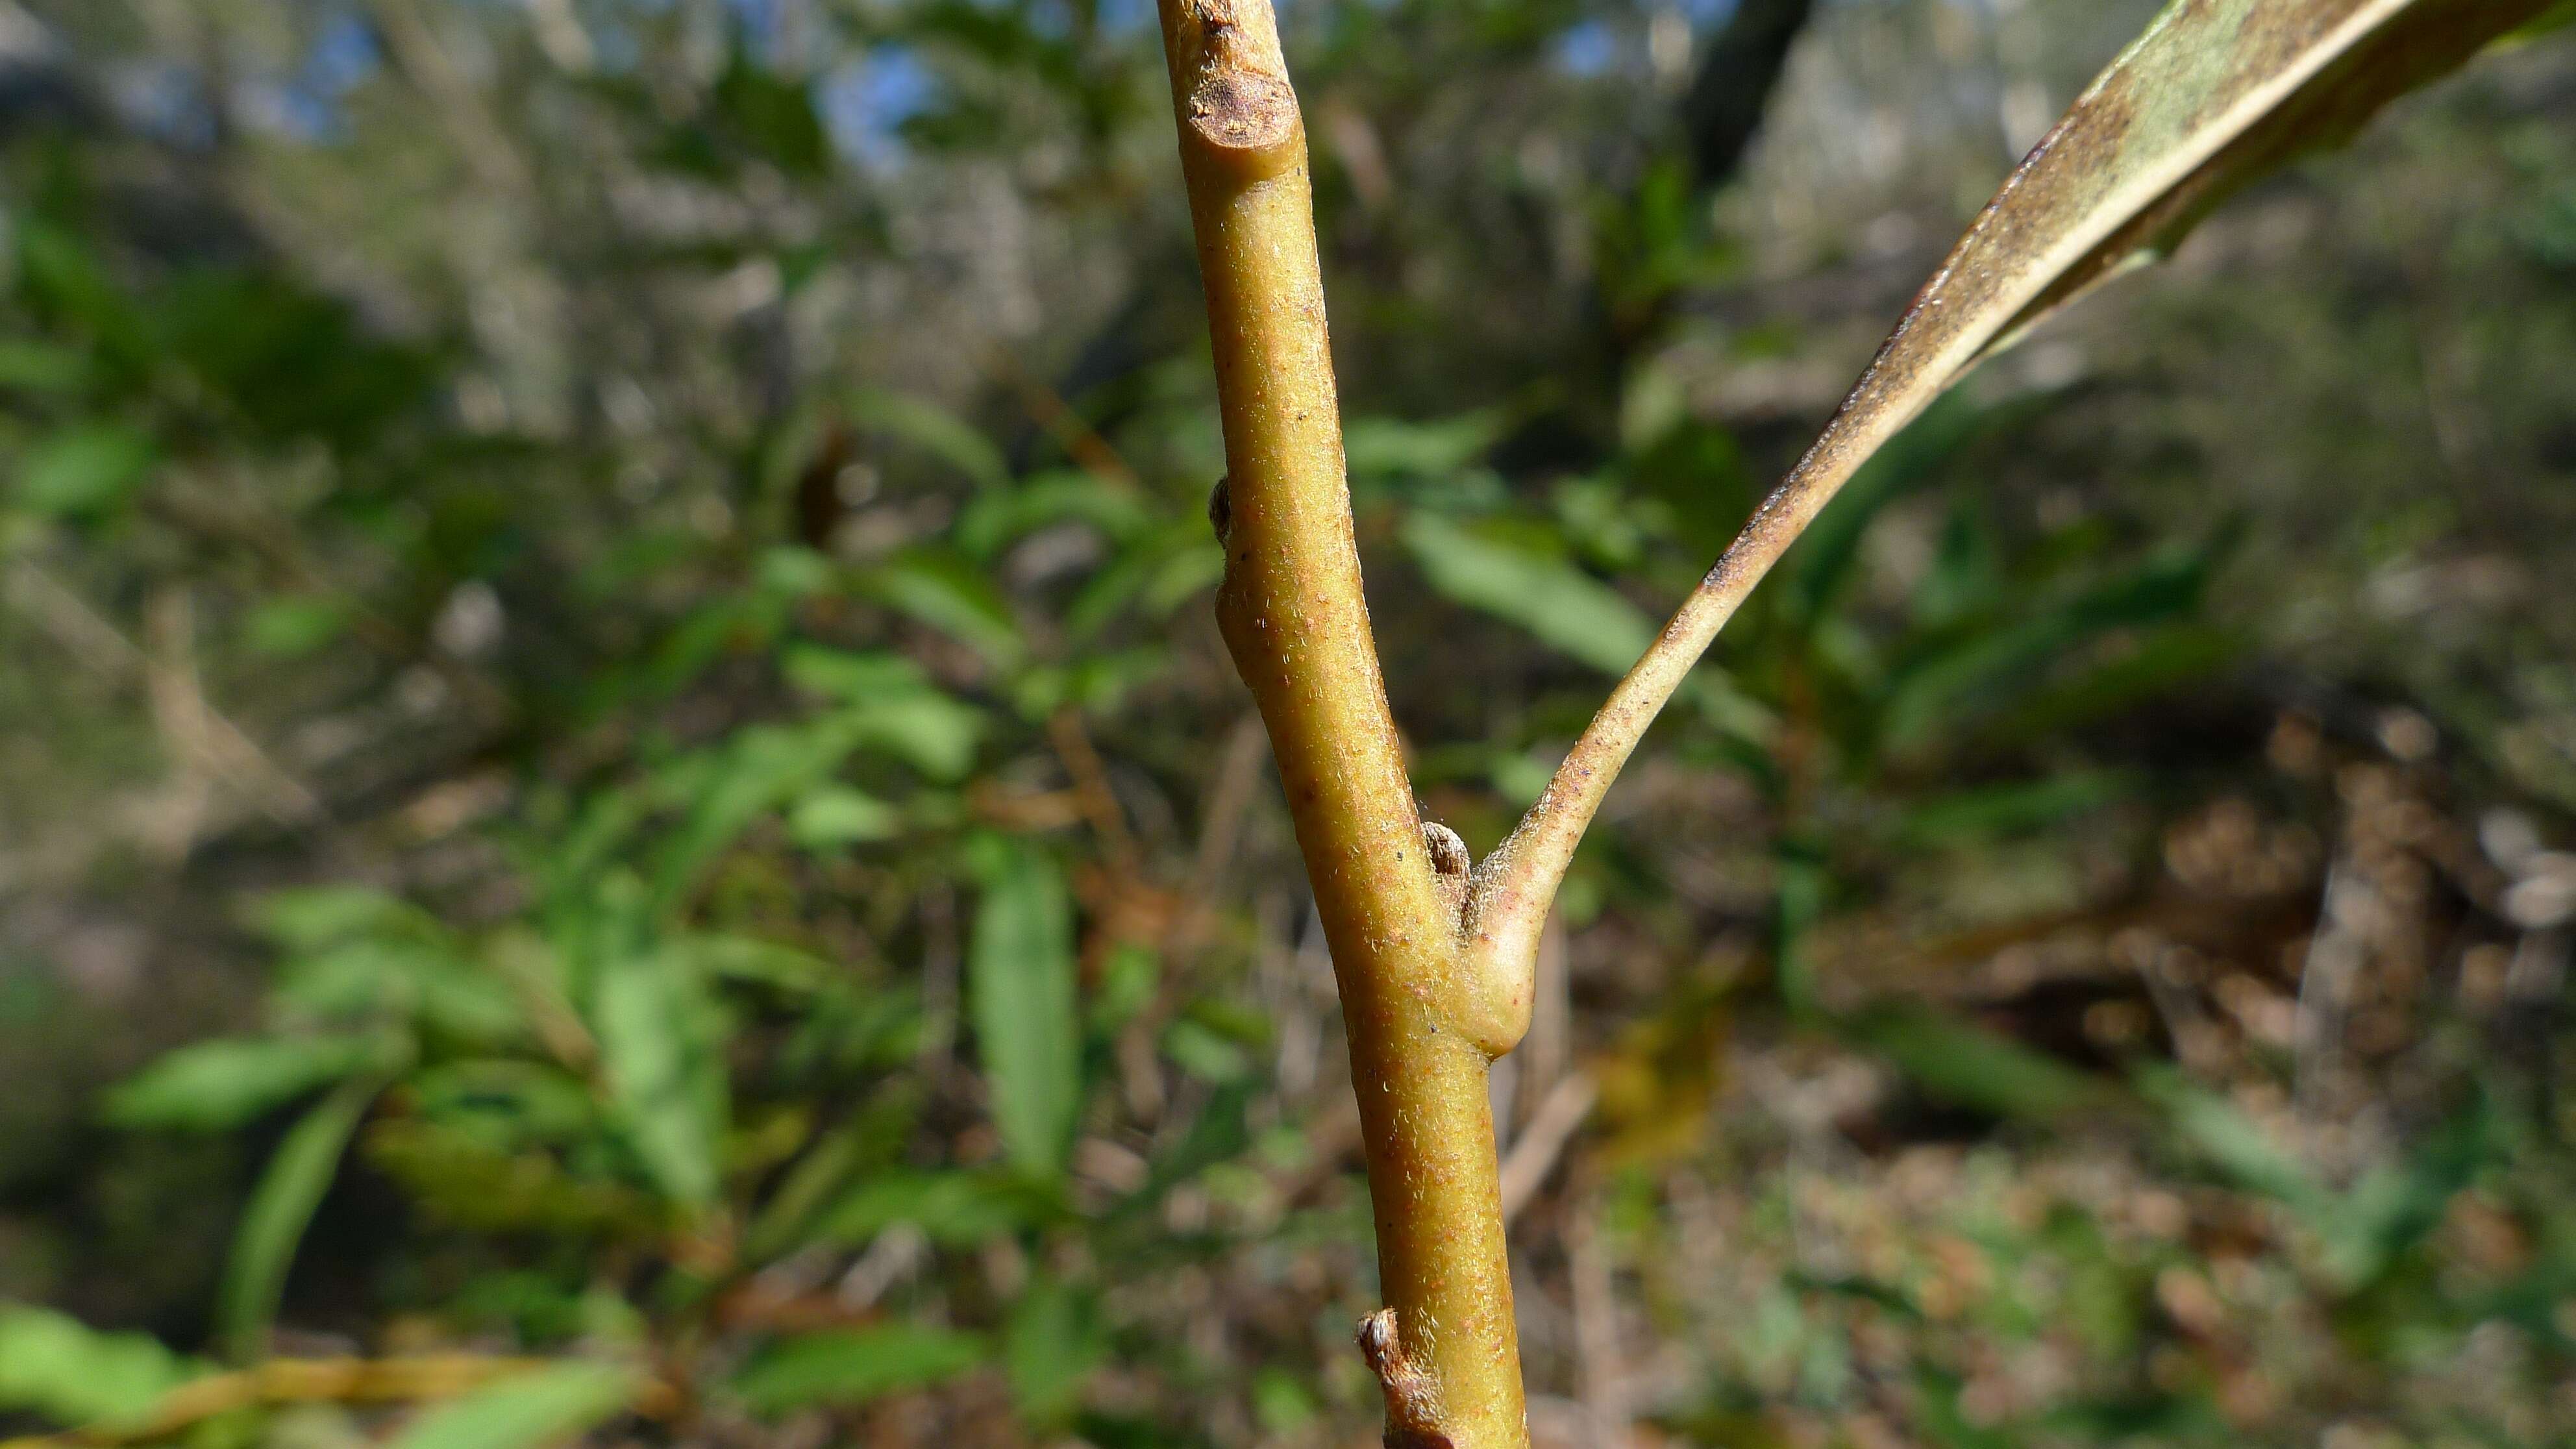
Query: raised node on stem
x=1412 y=1399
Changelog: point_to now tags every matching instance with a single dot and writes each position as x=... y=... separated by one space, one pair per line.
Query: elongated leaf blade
x=56 y=1366
x=656 y=1023
x=530 y=1411
x=959 y=1209
x=1049 y=1349
x=1561 y=605
x=84 y=471
x=211 y=1086
x=1815 y=575
x=2217 y=1131
x=853 y=1367
x=2214 y=95
x=1020 y=978
x=280 y=1209
x=950 y=594
x=1963 y=1063
x=762 y=768
x=935 y=431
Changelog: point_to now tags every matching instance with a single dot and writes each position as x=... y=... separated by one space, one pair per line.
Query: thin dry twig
x=412 y=1379
x=1596 y=1327
x=1221 y=822
x=1091 y=786
x=1095 y=454
x=224 y=746
x=481 y=143
x=1542 y=1143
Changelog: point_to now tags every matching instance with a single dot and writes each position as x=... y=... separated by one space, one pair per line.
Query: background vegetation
x=614 y=752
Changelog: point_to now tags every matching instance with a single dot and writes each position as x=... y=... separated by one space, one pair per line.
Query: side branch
x=1513 y=889
x=2159 y=139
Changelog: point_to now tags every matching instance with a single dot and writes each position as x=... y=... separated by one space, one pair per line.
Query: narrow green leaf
x=280 y=1209
x=1096 y=684
x=660 y=1031
x=312 y=917
x=54 y=1365
x=961 y=1209
x=1559 y=604
x=42 y=367
x=895 y=708
x=1195 y=568
x=1206 y=1054
x=1020 y=977
x=782 y=1220
x=1151 y=574
x=459 y=997
x=62 y=274
x=211 y=1086
x=1393 y=446
x=935 y=431
x=1799 y=903
x=2217 y=1131
x=1814 y=572
x=953 y=596
x=756 y=772
x=765 y=963
x=2161 y=663
x=506 y=1102
x=842 y=816
x=996 y=520
x=2397 y=1205
x=1991 y=810
x=929 y=731
x=289 y=628
x=1049 y=1349
x=792 y=571
x=1965 y=1064
x=1978 y=672
x=853 y=678
x=547 y=1406
x=84 y=470
x=854 y=1367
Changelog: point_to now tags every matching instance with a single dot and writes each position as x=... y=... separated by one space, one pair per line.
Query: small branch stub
x=1448 y=864
x=1243 y=111
x=1236 y=98
x=1221 y=510
x=1412 y=1401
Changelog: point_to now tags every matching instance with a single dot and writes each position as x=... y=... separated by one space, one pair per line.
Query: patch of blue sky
x=164 y=100
x=1587 y=49
x=759 y=27
x=1125 y=17
x=865 y=101
x=288 y=111
x=343 y=55
x=307 y=103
